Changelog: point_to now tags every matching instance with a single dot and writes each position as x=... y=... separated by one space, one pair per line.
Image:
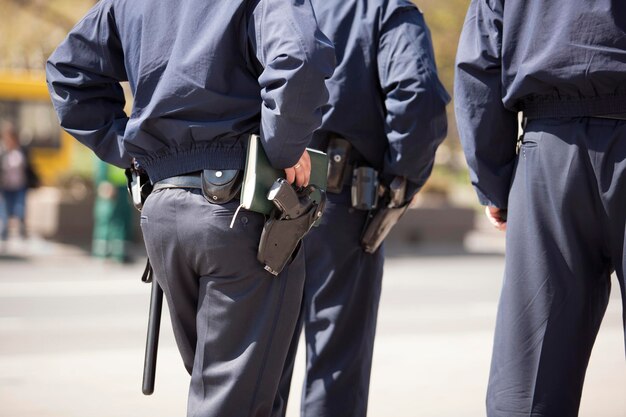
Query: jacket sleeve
x=488 y=130
x=415 y=99
x=84 y=75
x=296 y=59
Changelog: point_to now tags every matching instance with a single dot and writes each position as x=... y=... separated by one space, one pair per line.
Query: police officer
x=561 y=198
x=204 y=75
x=387 y=102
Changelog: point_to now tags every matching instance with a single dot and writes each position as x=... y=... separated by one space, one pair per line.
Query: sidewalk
x=72 y=334
x=37 y=250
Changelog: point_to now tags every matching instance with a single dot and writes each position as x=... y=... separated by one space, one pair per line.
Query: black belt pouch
x=221 y=186
x=338 y=156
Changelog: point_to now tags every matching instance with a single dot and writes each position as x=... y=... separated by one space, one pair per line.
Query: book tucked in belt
x=259 y=176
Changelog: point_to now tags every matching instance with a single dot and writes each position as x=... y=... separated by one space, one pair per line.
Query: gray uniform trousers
x=233 y=321
x=565 y=236
x=341 y=298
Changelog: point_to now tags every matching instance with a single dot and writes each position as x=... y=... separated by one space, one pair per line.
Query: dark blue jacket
x=203 y=74
x=545 y=58
x=385 y=97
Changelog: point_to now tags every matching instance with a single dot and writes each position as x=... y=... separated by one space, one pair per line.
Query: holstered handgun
x=294 y=214
x=382 y=220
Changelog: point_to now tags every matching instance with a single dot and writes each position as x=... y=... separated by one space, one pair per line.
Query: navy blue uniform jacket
x=203 y=75
x=545 y=58
x=385 y=96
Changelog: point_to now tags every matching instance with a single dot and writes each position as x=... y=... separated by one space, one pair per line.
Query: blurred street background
x=73 y=311
x=72 y=333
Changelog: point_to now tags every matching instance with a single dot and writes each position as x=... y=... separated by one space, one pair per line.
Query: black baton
x=152 y=341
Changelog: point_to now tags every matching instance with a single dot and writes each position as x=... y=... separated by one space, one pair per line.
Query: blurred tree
x=31 y=29
x=45 y=11
x=35 y=27
x=445 y=19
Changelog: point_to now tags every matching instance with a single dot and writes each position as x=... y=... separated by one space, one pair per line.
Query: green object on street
x=112 y=214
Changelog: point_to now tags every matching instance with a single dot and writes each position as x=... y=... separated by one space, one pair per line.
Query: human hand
x=300 y=172
x=497 y=217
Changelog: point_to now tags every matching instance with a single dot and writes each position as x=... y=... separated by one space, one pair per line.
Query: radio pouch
x=365 y=188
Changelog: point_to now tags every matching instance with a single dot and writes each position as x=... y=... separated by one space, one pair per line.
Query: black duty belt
x=218 y=186
x=181 y=181
x=617 y=116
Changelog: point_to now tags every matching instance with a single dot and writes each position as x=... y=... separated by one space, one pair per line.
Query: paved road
x=72 y=334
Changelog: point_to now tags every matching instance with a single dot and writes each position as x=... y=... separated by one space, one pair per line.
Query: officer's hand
x=497 y=217
x=300 y=172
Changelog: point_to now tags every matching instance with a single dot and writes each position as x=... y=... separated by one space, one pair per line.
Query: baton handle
x=152 y=340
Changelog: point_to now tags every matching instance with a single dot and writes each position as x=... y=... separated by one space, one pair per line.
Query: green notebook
x=259 y=176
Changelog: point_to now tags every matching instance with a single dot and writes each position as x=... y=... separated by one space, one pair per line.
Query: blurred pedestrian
x=112 y=231
x=561 y=197
x=15 y=176
x=204 y=76
x=4 y=221
x=386 y=117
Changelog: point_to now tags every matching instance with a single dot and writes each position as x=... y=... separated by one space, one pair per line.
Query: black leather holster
x=294 y=214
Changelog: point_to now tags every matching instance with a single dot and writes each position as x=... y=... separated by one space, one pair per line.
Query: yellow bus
x=25 y=102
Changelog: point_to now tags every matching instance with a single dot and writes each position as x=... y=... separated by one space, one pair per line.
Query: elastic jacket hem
x=192 y=160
